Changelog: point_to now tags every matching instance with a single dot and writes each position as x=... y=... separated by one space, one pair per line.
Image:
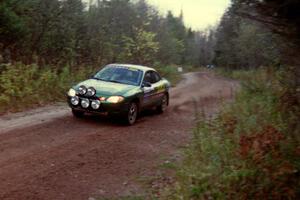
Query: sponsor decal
x=160 y=88
x=128 y=68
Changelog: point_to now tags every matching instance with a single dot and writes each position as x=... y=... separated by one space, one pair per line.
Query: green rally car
x=122 y=90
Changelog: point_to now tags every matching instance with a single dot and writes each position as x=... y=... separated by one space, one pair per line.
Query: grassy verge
x=250 y=150
x=25 y=86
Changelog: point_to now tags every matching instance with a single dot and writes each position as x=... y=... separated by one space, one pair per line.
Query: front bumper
x=104 y=109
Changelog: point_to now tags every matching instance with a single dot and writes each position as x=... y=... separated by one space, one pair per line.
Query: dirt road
x=48 y=154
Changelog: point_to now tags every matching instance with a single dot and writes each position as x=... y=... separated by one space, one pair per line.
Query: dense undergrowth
x=250 y=150
x=26 y=86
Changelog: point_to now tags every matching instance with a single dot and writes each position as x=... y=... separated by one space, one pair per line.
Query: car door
x=158 y=86
x=148 y=89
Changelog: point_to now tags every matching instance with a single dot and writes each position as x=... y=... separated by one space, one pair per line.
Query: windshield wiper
x=106 y=80
x=114 y=81
x=99 y=79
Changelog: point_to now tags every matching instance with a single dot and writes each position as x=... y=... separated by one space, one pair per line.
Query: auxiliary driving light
x=91 y=91
x=85 y=103
x=82 y=90
x=75 y=101
x=95 y=104
x=72 y=92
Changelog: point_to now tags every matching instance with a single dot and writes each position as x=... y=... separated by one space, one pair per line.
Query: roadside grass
x=162 y=175
x=168 y=165
x=24 y=86
x=249 y=151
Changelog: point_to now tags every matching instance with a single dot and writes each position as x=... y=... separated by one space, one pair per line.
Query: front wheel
x=132 y=113
x=77 y=114
x=163 y=105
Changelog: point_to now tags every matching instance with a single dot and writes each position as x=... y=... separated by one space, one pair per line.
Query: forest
x=251 y=150
x=73 y=32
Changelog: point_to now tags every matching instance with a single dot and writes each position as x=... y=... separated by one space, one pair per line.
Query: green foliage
x=247 y=151
x=171 y=37
x=141 y=49
x=23 y=86
x=11 y=25
x=75 y=32
x=244 y=44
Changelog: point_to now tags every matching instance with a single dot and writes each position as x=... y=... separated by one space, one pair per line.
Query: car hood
x=104 y=88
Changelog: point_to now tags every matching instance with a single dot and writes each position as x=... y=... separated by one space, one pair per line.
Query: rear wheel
x=163 y=105
x=77 y=114
x=132 y=113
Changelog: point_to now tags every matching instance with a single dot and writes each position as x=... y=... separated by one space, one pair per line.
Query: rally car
x=120 y=90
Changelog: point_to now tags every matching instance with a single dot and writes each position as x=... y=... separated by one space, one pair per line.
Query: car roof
x=140 y=67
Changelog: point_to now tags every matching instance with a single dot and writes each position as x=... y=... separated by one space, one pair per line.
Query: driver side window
x=148 y=77
x=151 y=77
x=155 y=77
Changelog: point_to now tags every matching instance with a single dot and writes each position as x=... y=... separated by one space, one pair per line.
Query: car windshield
x=120 y=74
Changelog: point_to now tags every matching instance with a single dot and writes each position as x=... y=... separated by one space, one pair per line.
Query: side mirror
x=146 y=84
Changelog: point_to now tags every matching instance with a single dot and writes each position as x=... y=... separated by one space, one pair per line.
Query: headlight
x=85 y=103
x=95 y=104
x=115 y=99
x=102 y=98
x=91 y=91
x=75 y=101
x=82 y=90
x=71 y=93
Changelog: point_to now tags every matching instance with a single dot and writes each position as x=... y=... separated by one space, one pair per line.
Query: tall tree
x=242 y=43
x=59 y=32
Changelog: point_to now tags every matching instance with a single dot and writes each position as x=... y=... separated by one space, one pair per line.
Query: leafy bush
x=24 y=86
x=247 y=152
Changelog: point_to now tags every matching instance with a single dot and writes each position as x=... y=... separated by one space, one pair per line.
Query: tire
x=132 y=113
x=77 y=114
x=163 y=105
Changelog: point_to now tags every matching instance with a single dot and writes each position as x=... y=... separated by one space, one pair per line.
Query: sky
x=198 y=14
